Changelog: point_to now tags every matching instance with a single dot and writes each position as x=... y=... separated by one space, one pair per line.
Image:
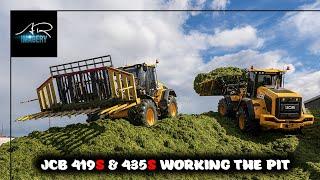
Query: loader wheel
x=171 y=109
x=245 y=122
x=144 y=114
x=242 y=119
x=224 y=108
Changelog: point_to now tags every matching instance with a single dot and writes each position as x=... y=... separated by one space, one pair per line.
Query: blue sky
x=266 y=23
x=186 y=44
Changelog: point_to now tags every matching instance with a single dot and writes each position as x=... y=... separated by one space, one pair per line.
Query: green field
x=192 y=135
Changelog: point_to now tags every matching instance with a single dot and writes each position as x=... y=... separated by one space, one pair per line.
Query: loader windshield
x=270 y=80
x=145 y=76
x=261 y=78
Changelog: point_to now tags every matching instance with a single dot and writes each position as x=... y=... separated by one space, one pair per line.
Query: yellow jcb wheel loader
x=95 y=88
x=261 y=101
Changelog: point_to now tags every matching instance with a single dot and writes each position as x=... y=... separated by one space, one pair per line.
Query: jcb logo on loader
x=290 y=107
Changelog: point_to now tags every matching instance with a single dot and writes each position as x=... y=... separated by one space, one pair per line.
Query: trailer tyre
x=171 y=109
x=145 y=114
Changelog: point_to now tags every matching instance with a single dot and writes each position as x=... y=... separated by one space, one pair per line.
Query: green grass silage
x=229 y=75
x=191 y=135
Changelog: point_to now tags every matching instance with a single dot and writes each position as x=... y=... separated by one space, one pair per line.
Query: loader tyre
x=172 y=108
x=225 y=108
x=144 y=114
x=246 y=122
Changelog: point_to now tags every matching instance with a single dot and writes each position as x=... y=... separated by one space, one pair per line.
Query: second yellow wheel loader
x=259 y=101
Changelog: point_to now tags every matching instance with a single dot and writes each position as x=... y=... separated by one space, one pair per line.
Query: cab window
x=269 y=80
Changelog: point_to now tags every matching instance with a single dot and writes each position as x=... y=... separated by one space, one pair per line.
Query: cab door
x=251 y=85
x=151 y=81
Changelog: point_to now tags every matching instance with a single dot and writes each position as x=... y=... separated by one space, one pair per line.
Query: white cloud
x=314 y=48
x=236 y=37
x=304 y=25
x=306 y=83
x=248 y=58
x=219 y=4
x=198 y=5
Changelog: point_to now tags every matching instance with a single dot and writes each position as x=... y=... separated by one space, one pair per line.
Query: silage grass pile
x=190 y=135
x=213 y=81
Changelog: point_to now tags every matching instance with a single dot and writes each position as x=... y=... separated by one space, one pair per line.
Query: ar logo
x=35 y=33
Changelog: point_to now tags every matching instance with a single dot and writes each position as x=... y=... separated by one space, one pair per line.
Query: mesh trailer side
x=82 y=83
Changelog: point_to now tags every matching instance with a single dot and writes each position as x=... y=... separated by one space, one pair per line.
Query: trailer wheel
x=172 y=108
x=245 y=121
x=225 y=108
x=145 y=114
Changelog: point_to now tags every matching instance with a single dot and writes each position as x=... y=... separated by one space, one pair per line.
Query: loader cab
x=145 y=76
x=271 y=78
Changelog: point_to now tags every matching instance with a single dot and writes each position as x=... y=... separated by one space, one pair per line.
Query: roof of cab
x=268 y=70
x=128 y=66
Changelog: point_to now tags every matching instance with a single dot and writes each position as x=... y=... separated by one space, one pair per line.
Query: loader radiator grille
x=288 y=108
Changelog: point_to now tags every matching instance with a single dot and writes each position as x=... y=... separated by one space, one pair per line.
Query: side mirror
x=145 y=67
